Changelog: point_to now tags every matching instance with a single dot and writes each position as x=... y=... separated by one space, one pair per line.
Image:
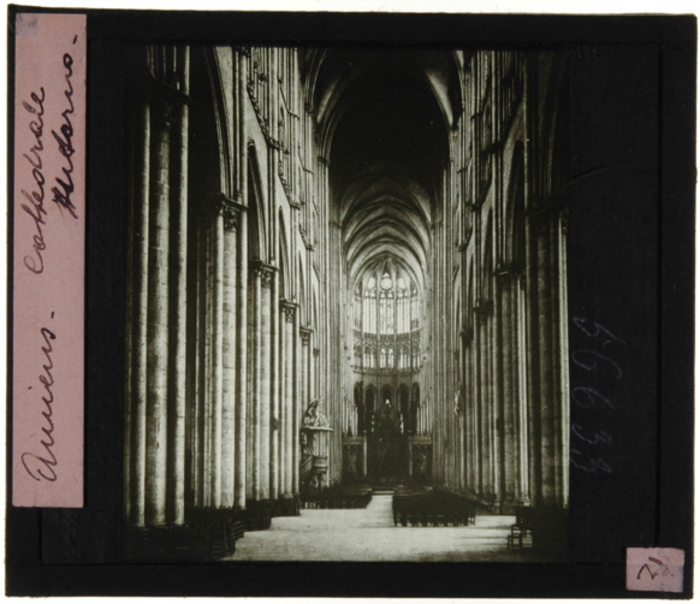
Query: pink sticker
x=49 y=260
x=655 y=569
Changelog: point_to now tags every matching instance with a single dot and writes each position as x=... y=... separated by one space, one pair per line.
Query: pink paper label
x=655 y=569
x=49 y=260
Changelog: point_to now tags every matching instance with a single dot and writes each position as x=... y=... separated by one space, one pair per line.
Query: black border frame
x=88 y=534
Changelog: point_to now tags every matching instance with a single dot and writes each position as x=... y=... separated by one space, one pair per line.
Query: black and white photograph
x=347 y=314
x=375 y=305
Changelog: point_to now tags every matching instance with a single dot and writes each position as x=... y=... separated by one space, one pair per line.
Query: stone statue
x=422 y=461
x=314 y=418
x=314 y=447
x=351 y=461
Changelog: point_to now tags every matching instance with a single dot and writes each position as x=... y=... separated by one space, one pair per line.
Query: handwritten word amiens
x=43 y=466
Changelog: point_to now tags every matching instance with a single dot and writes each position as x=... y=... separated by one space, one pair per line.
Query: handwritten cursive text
x=62 y=195
x=35 y=209
x=43 y=466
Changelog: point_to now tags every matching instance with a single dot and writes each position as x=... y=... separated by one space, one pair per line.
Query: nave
x=345 y=266
x=369 y=535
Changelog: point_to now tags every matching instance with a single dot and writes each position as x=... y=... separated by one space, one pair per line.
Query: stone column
x=497 y=400
x=297 y=394
x=215 y=374
x=137 y=467
x=230 y=215
x=242 y=363
x=563 y=332
x=305 y=334
x=485 y=315
x=282 y=422
x=508 y=394
x=472 y=415
x=261 y=469
x=158 y=317
x=304 y=393
x=289 y=310
x=479 y=362
x=490 y=400
x=547 y=442
x=178 y=322
x=521 y=389
x=201 y=458
x=275 y=383
x=256 y=386
x=316 y=375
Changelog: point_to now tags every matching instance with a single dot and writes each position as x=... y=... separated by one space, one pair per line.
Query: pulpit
x=315 y=442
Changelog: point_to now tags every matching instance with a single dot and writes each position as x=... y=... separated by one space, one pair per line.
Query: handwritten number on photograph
x=598 y=359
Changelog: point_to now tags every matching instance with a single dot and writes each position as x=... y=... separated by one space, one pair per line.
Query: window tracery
x=386 y=319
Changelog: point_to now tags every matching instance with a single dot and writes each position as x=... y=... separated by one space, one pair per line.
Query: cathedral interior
x=347 y=279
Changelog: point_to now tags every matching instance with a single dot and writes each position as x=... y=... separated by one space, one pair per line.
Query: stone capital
x=265 y=272
x=483 y=309
x=305 y=334
x=230 y=214
x=506 y=273
x=564 y=218
x=289 y=308
x=167 y=94
x=230 y=209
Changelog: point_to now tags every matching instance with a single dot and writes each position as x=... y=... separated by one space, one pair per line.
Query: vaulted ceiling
x=384 y=118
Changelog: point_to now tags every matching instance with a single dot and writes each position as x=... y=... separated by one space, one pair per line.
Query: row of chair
x=433 y=509
x=202 y=539
x=521 y=532
x=336 y=498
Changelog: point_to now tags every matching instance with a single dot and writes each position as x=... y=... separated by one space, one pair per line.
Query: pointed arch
x=301 y=294
x=285 y=280
x=487 y=279
x=515 y=211
x=257 y=239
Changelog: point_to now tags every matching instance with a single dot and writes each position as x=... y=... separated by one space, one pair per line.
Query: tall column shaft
x=520 y=368
x=264 y=368
x=242 y=363
x=563 y=333
x=544 y=310
x=482 y=443
x=139 y=355
x=158 y=317
x=178 y=323
x=509 y=392
x=263 y=406
x=288 y=400
x=492 y=405
x=276 y=382
x=201 y=428
x=256 y=380
x=474 y=417
x=297 y=394
x=230 y=336
x=216 y=369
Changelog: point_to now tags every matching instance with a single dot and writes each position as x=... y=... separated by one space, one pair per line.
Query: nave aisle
x=369 y=535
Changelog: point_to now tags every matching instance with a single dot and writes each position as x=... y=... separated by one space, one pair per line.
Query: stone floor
x=370 y=535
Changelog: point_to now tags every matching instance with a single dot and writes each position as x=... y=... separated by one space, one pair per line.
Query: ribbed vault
x=384 y=119
x=386 y=215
